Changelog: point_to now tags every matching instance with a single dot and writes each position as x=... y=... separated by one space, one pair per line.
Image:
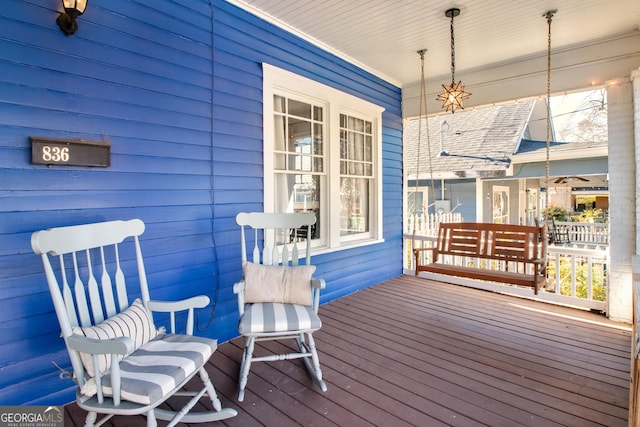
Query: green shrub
x=589 y=215
x=555 y=212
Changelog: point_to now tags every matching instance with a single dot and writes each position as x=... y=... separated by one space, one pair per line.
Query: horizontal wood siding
x=139 y=75
x=176 y=88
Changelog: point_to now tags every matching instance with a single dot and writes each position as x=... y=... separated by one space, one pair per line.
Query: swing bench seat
x=505 y=253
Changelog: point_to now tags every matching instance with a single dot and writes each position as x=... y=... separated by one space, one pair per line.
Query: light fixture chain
x=426 y=120
x=547 y=172
x=453 y=53
x=423 y=113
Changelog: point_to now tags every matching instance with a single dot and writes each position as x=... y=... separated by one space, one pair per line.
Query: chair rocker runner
x=122 y=364
x=277 y=298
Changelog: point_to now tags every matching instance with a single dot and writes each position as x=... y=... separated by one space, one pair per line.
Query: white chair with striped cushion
x=277 y=297
x=122 y=364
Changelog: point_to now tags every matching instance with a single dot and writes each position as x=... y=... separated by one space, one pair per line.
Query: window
x=416 y=202
x=500 y=204
x=322 y=154
x=356 y=174
x=298 y=160
x=532 y=206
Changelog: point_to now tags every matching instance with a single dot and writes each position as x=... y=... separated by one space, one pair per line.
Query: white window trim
x=285 y=82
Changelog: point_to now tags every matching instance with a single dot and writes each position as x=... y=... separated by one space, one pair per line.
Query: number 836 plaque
x=51 y=151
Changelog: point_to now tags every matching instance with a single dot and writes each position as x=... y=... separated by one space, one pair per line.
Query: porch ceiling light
x=453 y=95
x=67 y=20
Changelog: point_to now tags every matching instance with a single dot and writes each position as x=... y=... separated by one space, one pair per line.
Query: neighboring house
x=578 y=176
x=189 y=96
x=486 y=164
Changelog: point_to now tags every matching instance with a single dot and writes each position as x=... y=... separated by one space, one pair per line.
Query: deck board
x=411 y=351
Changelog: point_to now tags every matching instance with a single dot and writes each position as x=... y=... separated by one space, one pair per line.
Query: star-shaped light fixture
x=453 y=95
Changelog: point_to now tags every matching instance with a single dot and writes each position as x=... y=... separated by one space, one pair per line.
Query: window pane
x=280 y=161
x=300 y=163
x=299 y=136
x=358 y=152
x=280 y=130
x=368 y=148
x=318 y=138
x=354 y=207
x=299 y=193
x=279 y=104
x=317 y=114
x=300 y=109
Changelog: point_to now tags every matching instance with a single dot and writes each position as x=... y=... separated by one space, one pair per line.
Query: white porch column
x=624 y=148
x=635 y=82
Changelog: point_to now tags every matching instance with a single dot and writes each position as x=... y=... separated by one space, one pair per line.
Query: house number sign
x=50 y=151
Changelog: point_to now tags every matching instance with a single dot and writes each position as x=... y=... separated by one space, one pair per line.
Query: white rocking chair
x=277 y=298
x=121 y=363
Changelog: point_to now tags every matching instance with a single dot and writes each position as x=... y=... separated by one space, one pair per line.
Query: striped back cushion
x=134 y=322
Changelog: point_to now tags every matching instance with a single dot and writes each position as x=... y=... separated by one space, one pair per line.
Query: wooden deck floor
x=416 y=352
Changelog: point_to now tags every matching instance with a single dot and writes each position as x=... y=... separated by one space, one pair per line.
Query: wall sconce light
x=453 y=95
x=67 y=20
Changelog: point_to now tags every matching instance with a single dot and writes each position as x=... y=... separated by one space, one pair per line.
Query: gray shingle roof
x=478 y=143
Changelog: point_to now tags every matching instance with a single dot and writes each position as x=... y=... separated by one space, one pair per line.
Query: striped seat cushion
x=276 y=317
x=158 y=367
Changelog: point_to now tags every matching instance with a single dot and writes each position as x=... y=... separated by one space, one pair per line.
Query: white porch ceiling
x=500 y=45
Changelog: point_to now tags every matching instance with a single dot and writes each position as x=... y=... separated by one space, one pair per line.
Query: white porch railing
x=427 y=225
x=575 y=276
x=585 y=232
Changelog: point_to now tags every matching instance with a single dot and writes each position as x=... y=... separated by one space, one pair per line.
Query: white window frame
x=277 y=81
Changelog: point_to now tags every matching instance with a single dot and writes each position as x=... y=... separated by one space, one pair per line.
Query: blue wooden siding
x=176 y=88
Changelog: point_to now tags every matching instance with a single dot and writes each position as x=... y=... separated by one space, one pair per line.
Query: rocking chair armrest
x=199 y=301
x=120 y=345
x=188 y=305
x=318 y=283
x=238 y=287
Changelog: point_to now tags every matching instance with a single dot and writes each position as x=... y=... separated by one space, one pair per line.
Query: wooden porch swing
x=505 y=253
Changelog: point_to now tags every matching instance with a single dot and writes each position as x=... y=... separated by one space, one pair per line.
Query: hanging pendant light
x=453 y=95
